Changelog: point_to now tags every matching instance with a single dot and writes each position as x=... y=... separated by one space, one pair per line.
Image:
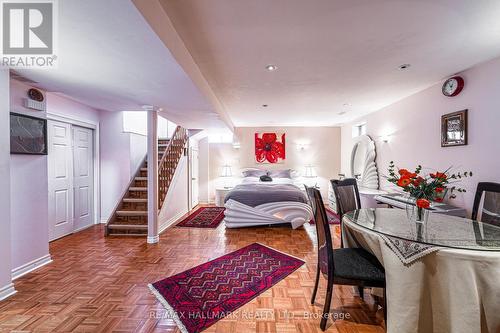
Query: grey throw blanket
x=257 y=194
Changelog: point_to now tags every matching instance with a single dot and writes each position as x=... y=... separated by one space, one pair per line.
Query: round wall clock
x=35 y=95
x=453 y=86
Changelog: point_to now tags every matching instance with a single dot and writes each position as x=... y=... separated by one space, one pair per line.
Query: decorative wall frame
x=270 y=147
x=454 y=129
x=28 y=135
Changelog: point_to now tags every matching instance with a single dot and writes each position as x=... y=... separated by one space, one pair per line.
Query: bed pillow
x=253 y=172
x=250 y=180
x=286 y=173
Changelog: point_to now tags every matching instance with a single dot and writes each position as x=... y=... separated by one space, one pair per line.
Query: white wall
x=204 y=177
x=5 y=221
x=121 y=155
x=138 y=149
x=321 y=149
x=136 y=122
x=176 y=203
x=414 y=127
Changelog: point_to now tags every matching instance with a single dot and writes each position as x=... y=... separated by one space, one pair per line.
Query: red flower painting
x=269 y=147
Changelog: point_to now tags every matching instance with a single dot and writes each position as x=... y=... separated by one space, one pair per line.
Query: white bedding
x=239 y=215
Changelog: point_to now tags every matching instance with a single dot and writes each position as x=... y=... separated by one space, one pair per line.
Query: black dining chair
x=347 y=197
x=490 y=210
x=349 y=266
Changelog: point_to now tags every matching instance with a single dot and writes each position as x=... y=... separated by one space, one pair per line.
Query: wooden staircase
x=130 y=217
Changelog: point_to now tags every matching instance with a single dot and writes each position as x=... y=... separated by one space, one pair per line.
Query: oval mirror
x=363 y=166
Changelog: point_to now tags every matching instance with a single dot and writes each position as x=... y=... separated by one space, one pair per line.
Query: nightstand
x=220 y=195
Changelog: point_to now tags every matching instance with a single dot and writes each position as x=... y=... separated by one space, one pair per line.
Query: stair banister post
x=153 y=236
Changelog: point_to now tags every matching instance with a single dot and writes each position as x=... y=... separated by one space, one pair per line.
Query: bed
x=257 y=203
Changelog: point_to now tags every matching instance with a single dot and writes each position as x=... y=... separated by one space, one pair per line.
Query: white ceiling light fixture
x=271 y=68
x=345 y=109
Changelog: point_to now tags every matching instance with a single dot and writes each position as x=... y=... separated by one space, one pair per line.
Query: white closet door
x=83 y=153
x=60 y=173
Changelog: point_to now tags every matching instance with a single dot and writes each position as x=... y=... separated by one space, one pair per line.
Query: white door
x=194 y=177
x=60 y=173
x=83 y=170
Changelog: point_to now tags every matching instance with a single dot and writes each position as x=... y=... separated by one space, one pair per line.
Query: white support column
x=152 y=175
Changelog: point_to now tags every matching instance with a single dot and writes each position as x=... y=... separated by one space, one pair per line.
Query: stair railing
x=169 y=161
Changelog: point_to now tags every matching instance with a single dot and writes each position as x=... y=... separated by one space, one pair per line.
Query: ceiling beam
x=155 y=15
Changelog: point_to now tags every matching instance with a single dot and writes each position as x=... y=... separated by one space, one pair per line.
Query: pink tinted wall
x=5 y=221
x=176 y=203
x=65 y=106
x=121 y=155
x=414 y=128
x=29 y=201
x=28 y=174
x=115 y=161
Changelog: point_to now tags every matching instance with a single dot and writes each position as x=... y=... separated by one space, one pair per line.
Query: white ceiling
x=110 y=59
x=329 y=52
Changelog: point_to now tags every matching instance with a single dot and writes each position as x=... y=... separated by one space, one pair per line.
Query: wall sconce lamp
x=302 y=146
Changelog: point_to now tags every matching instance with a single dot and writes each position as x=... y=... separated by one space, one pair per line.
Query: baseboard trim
x=171 y=221
x=83 y=228
x=31 y=266
x=104 y=221
x=7 y=291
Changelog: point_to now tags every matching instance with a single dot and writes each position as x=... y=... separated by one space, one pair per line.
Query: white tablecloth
x=447 y=291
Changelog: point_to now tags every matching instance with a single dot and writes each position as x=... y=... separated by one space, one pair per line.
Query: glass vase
x=416 y=214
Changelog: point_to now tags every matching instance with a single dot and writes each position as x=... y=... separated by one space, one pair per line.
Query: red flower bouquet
x=426 y=188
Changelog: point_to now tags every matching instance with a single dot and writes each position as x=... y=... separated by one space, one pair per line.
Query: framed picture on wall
x=454 y=129
x=28 y=135
x=270 y=147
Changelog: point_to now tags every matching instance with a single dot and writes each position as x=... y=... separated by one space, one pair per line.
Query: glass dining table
x=439 y=230
x=441 y=275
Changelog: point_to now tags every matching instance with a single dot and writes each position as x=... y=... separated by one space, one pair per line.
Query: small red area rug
x=201 y=296
x=333 y=218
x=204 y=217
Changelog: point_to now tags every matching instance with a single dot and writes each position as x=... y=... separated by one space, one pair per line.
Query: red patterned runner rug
x=204 y=217
x=201 y=296
x=333 y=218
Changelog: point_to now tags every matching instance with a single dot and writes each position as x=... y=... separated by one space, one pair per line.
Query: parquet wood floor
x=98 y=284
